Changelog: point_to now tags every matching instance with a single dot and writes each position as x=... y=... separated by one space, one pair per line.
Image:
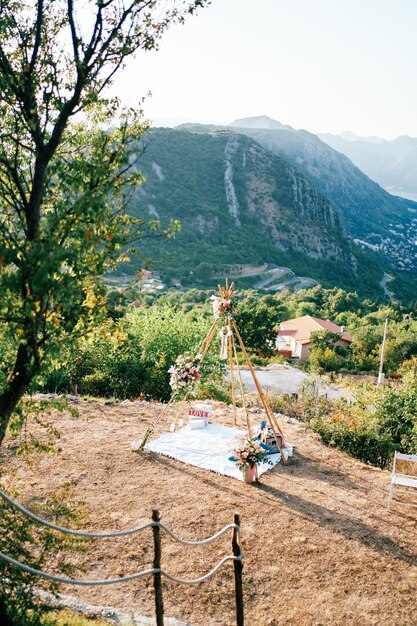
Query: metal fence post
x=238 y=567
x=157 y=582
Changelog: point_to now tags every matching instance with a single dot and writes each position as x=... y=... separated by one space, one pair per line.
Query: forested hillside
x=238 y=203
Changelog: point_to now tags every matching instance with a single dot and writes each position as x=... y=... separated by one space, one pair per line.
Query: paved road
x=274 y=274
x=288 y=380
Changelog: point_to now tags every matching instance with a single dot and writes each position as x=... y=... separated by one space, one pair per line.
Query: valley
x=268 y=197
x=269 y=277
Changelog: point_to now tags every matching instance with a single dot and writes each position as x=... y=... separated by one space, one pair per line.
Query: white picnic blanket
x=208 y=448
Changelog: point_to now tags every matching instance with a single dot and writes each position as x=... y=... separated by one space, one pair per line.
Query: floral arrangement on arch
x=223 y=308
x=185 y=374
x=248 y=452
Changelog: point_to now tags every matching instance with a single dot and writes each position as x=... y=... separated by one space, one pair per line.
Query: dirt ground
x=320 y=546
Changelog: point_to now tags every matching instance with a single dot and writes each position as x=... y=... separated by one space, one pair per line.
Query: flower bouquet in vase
x=248 y=453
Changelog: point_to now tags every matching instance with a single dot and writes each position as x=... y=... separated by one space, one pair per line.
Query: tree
x=67 y=159
x=257 y=319
x=324 y=353
x=324 y=359
x=396 y=409
x=324 y=339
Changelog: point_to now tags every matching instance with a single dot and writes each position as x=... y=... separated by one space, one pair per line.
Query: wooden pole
x=238 y=568
x=207 y=341
x=203 y=349
x=381 y=376
x=157 y=582
x=232 y=375
x=242 y=392
x=264 y=401
x=152 y=429
x=203 y=343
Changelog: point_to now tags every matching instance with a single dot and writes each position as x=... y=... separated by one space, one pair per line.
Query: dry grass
x=320 y=545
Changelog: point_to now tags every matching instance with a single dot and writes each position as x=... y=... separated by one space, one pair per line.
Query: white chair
x=402 y=483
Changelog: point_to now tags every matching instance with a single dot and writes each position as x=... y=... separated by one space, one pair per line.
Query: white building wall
x=295 y=347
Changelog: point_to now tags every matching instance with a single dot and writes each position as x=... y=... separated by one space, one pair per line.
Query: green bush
x=131 y=358
x=101 y=366
x=325 y=360
x=380 y=421
x=396 y=410
x=368 y=433
x=364 y=441
x=214 y=390
x=158 y=335
x=38 y=547
x=304 y=405
x=256 y=360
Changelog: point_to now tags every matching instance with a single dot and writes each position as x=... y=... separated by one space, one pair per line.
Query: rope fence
x=156 y=571
x=113 y=581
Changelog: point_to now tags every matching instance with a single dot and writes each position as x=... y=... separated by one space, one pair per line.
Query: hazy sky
x=323 y=65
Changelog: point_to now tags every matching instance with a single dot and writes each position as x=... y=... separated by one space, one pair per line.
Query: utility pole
x=381 y=375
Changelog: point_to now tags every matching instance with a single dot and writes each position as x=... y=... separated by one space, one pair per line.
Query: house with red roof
x=293 y=339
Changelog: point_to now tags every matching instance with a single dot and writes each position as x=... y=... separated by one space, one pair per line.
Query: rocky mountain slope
x=369 y=213
x=374 y=219
x=392 y=164
x=238 y=203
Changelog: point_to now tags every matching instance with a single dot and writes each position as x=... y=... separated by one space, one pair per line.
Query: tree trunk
x=18 y=384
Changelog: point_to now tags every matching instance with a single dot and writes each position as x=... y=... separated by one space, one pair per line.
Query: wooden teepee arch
x=231 y=331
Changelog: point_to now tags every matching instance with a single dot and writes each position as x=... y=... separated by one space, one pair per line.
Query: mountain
x=238 y=204
x=392 y=164
x=349 y=136
x=365 y=207
x=262 y=121
x=372 y=217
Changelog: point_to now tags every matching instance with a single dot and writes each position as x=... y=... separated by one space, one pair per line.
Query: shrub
x=304 y=405
x=131 y=358
x=396 y=409
x=409 y=367
x=363 y=440
x=103 y=365
x=158 y=335
x=259 y=361
x=213 y=390
x=288 y=405
x=325 y=360
x=382 y=420
x=39 y=547
x=357 y=429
